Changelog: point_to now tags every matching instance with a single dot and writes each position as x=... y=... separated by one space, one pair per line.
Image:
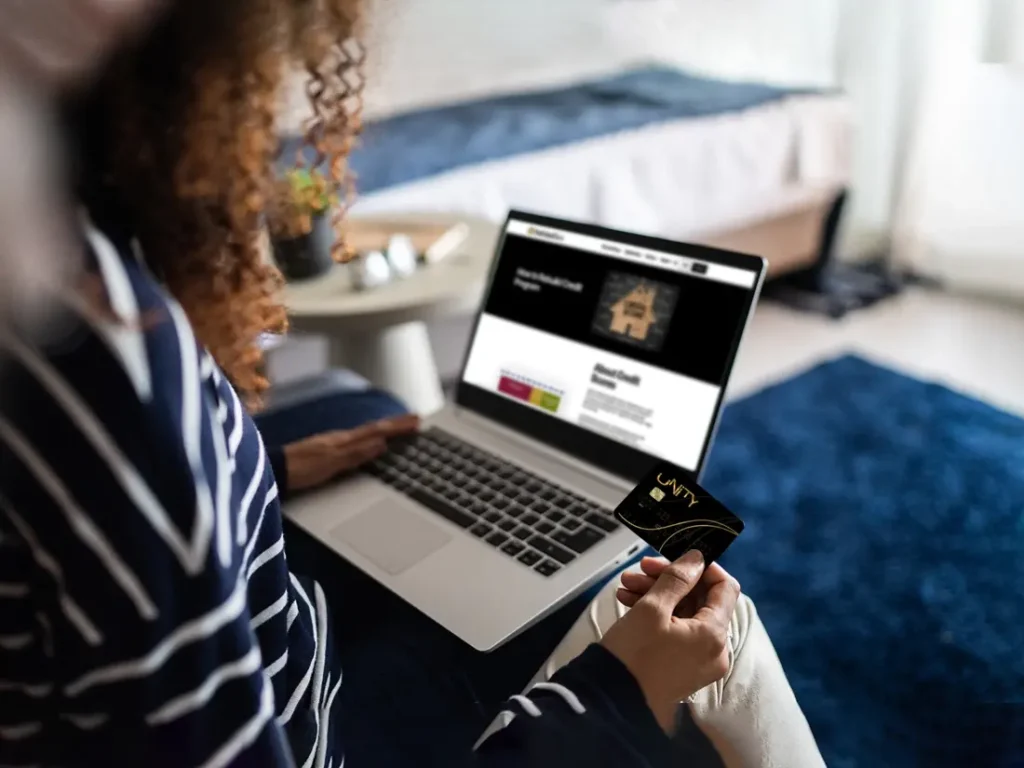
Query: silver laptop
x=595 y=353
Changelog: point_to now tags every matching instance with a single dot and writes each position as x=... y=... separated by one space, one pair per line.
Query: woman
x=149 y=614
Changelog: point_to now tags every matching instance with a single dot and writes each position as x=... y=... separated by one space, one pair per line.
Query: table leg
x=398 y=359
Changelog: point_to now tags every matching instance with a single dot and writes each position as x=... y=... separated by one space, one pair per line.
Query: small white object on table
x=381 y=333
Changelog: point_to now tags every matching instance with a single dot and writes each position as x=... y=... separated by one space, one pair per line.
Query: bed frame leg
x=811 y=279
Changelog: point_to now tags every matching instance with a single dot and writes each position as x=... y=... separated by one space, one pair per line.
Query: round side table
x=381 y=333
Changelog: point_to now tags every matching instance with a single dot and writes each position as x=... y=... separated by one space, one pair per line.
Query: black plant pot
x=308 y=256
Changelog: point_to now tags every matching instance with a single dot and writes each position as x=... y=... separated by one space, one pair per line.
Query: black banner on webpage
x=677 y=322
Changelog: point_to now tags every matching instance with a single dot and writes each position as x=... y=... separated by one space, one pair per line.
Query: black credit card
x=674 y=515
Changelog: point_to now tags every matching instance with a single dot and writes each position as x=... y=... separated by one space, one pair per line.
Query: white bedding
x=675 y=179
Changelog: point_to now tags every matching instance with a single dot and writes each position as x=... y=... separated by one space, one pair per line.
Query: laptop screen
x=591 y=338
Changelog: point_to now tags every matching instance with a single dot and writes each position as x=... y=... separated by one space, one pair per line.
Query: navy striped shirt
x=148 y=615
x=147 y=610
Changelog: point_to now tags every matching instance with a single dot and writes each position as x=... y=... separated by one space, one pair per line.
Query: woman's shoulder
x=115 y=368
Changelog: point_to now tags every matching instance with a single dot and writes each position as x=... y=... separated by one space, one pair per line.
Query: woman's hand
x=675 y=638
x=318 y=459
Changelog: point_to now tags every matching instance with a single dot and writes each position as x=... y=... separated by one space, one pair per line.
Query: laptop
x=595 y=353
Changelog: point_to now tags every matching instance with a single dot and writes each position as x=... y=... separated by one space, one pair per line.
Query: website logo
x=545 y=234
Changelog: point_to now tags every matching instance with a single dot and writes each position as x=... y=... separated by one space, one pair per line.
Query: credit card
x=674 y=515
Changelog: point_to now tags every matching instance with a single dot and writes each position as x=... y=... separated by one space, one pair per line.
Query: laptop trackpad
x=391 y=538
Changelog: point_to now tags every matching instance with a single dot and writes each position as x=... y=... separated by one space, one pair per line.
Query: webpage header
x=671 y=262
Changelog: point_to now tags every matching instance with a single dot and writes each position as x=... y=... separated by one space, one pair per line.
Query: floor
x=970 y=344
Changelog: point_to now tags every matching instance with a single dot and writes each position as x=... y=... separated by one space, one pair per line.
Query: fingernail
x=694 y=559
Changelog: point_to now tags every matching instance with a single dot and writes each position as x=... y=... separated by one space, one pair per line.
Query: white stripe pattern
x=324 y=718
x=193 y=700
x=265 y=557
x=245 y=735
x=318 y=752
x=527 y=704
x=293 y=614
x=570 y=698
x=269 y=612
x=192 y=413
x=186 y=633
x=20 y=731
x=277 y=666
x=80 y=523
x=16 y=642
x=85 y=722
x=255 y=536
x=191 y=555
x=223 y=504
x=124 y=339
x=37 y=691
x=235 y=438
x=46 y=561
x=293 y=702
x=250 y=493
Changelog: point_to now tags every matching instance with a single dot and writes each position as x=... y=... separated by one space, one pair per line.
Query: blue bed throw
x=421 y=144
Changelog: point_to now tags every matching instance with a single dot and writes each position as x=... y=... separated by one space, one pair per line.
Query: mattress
x=678 y=177
x=428 y=142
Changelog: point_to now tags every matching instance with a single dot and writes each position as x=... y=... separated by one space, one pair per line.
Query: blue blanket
x=421 y=144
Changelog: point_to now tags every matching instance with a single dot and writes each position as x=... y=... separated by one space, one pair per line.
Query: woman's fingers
x=627 y=598
x=386 y=428
x=356 y=455
x=654 y=566
x=637 y=582
x=720 y=601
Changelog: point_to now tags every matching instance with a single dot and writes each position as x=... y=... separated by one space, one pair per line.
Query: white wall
x=961 y=215
x=436 y=51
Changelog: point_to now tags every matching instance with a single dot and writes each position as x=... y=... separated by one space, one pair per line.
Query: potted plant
x=301 y=228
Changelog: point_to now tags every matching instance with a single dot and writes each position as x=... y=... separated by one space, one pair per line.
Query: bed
x=653 y=149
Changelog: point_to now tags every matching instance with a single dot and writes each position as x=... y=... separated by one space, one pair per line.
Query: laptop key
x=497 y=539
x=529 y=519
x=562 y=502
x=580 y=541
x=547 y=568
x=555 y=516
x=500 y=502
x=540 y=506
x=443 y=508
x=529 y=557
x=480 y=530
x=571 y=524
x=544 y=527
x=523 y=534
x=492 y=516
x=602 y=522
x=515 y=510
x=579 y=510
x=508 y=525
x=513 y=548
x=551 y=549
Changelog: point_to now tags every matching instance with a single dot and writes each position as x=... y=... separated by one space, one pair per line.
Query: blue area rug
x=885 y=551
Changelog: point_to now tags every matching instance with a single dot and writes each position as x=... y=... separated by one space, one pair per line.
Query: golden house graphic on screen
x=633 y=314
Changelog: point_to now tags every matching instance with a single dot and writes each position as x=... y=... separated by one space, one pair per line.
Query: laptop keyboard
x=531 y=520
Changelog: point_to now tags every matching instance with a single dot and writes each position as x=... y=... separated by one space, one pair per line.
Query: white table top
x=455 y=284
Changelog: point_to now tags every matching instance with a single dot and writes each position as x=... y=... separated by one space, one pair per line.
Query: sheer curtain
x=960 y=216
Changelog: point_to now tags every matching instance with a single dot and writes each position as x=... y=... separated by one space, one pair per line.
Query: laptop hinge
x=537 y=447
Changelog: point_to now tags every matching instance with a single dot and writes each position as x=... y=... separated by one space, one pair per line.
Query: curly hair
x=179 y=139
